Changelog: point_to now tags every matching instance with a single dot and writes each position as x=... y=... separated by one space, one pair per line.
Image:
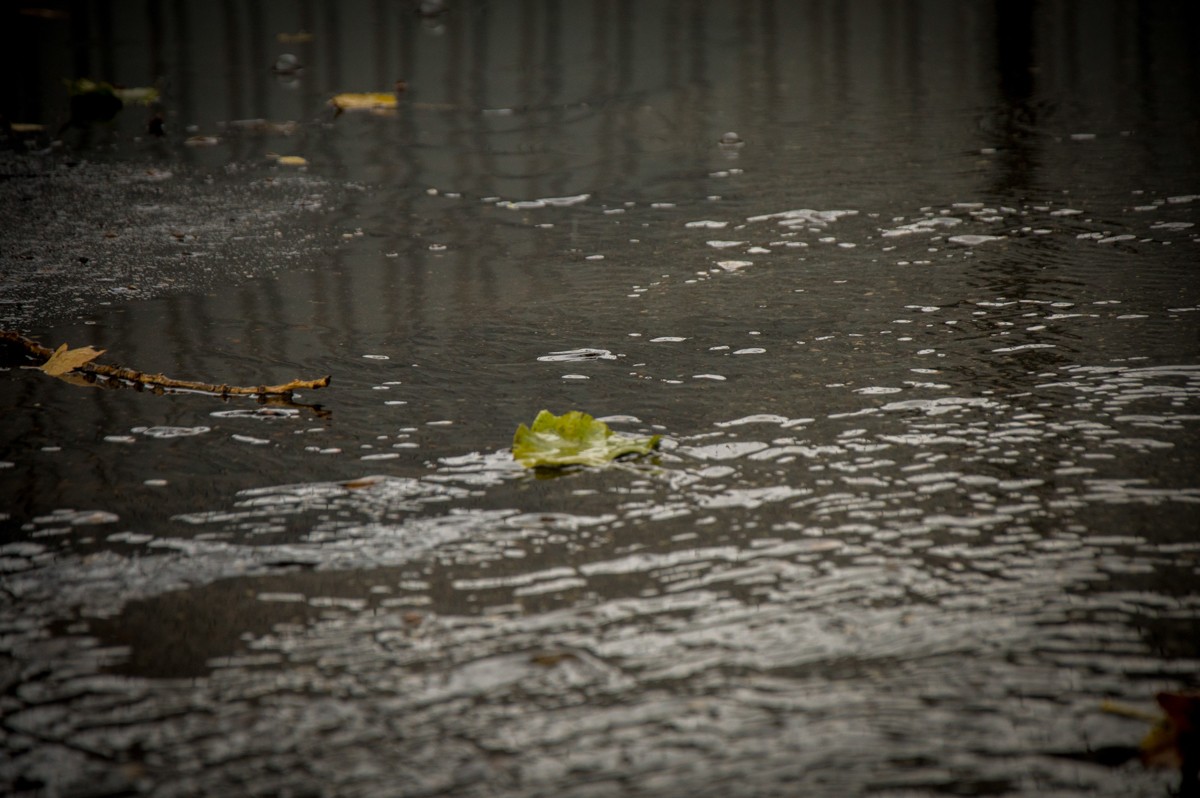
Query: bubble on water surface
x=377 y=357
x=544 y=202
x=251 y=440
x=716 y=377
x=619 y=419
x=287 y=598
x=130 y=537
x=922 y=226
x=973 y=240
x=78 y=517
x=724 y=451
x=803 y=217
x=1025 y=347
x=260 y=413
x=571 y=355
x=765 y=418
x=171 y=432
x=719 y=244
x=667 y=339
x=707 y=223
x=946 y=404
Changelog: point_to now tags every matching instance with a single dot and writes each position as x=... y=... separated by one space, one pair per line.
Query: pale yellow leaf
x=291 y=160
x=142 y=95
x=64 y=359
x=363 y=102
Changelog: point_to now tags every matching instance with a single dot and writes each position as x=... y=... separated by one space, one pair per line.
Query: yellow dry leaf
x=291 y=160
x=64 y=359
x=363 y=102
x=303 y=37
x=142 y=95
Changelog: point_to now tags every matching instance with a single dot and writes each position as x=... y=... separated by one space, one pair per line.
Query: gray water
x=923 y=346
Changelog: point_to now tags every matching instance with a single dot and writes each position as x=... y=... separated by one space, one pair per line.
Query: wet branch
x=158 y=381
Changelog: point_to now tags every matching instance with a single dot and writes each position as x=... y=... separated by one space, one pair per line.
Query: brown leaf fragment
x=64 y=359
x=1174 y=742
x=362 y=482
x=548 y=659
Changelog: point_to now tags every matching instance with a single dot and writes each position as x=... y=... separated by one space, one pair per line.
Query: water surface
x=922 y=342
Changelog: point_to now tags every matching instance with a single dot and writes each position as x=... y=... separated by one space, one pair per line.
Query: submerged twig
x=159 y=381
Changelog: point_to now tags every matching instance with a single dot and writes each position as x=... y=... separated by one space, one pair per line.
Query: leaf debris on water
x=371 y=101
x=574 y=438
x=64 y=359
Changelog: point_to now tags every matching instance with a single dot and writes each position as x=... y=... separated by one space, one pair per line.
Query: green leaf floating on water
x=573 y=438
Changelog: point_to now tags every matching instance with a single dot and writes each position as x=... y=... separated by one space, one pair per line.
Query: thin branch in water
x=63 y=362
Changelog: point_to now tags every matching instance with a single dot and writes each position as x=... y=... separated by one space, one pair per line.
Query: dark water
x=924 y=346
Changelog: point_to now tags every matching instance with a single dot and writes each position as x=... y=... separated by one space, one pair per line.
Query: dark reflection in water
x=921 y=337
x=1018 y=116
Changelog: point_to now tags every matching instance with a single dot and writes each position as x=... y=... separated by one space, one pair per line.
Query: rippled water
x=923 y=343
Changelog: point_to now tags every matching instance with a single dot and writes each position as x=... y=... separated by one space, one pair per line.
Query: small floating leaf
x=380 y=101
x=87 y=86
x=64 y=360
x=573 y=438
x=139 y=95
x=127 y=95
x=291 y=160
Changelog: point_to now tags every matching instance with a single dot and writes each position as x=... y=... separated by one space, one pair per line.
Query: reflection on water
x=921 y=340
